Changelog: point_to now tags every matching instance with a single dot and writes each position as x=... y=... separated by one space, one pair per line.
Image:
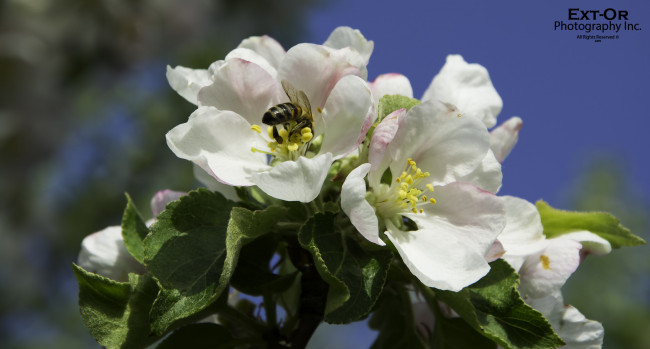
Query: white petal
x=448 y=147
x=579 y=332
x=162 y=198
x=378 y=149
x=253 y=57
x=187 y=82
x=347 y=37
x=487 y=175
x=354 y=204
x=504 y=137
x=104 y=253
x=591 y=243
x=316 y=69
x=390 y=84
x=448 y=250
x=344 y=116
x=213 y=184
x=495 y=252
x=545 y=272
x=220 y=142
x=523 y=234
x=266 y=47
x=299 y=180
x=468 y=87
x=242 y=87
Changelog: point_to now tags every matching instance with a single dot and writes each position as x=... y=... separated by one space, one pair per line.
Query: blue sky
x=578 y=98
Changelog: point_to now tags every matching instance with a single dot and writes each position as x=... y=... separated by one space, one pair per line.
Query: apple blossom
x=223 y=135
x=458 y=222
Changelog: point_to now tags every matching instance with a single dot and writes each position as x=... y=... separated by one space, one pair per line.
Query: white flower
x=457 y=222
x=223 y=135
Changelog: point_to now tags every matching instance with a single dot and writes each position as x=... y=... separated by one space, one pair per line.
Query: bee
x=298 y=111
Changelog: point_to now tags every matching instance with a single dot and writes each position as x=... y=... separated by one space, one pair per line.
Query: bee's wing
x=298 y=98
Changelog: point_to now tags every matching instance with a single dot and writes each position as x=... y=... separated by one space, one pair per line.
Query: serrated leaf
x=253 y=274
x=193 y=249
x=117 y=313
x=393 y=318
x=356 y=277
x=390 y=103
x=134 y=231
x=494 y=307
x=558 y=222
x=199 y=336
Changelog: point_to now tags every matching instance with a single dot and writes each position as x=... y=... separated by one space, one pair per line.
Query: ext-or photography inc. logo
x=597 y=25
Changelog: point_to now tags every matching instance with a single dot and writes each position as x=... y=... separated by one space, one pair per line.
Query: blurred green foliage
x=84 y=109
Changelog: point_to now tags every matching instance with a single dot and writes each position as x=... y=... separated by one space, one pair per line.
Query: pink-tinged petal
x=523 y=234
x=454 y=235
x=160 y=200
x=354 y=204
x=545 y=272
x=220 y=142
x=187 y=82
x=344 y=116
x=266 y=47
x=504 y=137
x=347 y=37
x=213 y=184
x=299 y=180
x=316 y=69
x=448 y=147
x=104 y=253
x=378 y=148
x=253 y=57
x=244 y=88
x=495 y=252
x=487 y=175
x=467 y=87
x=591 y=243
x=390 y=84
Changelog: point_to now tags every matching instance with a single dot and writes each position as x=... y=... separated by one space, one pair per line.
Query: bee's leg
x=276 y=135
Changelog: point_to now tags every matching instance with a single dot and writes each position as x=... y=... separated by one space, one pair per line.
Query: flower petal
x=378 y=148
x=487 y=175
x=504 y=137
x=299 y=180
x=266 y=47
x=467 y=87
x=220 y=142
x=546 y=271
x=523 y=233
x=213 y=184
x=448 y=147
x=242 y=87
x=316 y=69
x=347 y=37
x=390 y=84
x=104 y=253
x=162 y=198
x=187 y=82
x=253 y=57
x=354 y=204
x=591 y=243
x=344 y=116
x=448 y=250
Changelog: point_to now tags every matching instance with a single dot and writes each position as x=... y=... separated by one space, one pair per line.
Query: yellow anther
x=427 y=174
x=283 y=133
x=305 y=130
x=424 y=198
x=414 y=210
x=307 y=136
x=432 y=200
x=295 y=138
x=293 y=147
x=546 y=262
x=402 y=194
x=269 y=130
x=319 y=110
x=404 y=186
x=411 y=162
x=398 y=179
x=272 y=145
x=253 y=150
x=430 y=186
x=256 y=128
x=418 y=173
x=421 y=210
x=409 y=179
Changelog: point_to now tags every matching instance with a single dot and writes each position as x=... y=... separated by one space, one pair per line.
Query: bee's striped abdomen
x=281 y=113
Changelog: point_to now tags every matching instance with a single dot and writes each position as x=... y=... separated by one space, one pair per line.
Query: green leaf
x=494 y=307
x=193 y=249
x=390 y=103
x=393 y=318
x=117 y=313
x=253 y=274
x=199 y=336
x=558 y=222
x=356 y=277
x=134 y=230
x=455 y=333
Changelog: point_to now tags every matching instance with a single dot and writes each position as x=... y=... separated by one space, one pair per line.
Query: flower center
x=403 y=194
x=295 y=141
